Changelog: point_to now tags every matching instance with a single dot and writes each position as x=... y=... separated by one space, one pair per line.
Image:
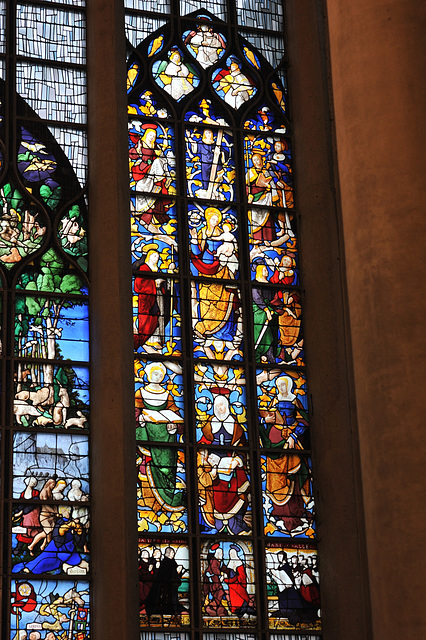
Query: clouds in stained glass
x=174 y=75
x=38 y=605
x=210 y=168
x=204 y=43
x=228 y=581
x=293 y=589
x=205 y=112
x=36 y=164
x=232 y=84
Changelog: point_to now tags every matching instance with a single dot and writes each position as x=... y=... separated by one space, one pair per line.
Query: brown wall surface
x=113 y=470
x=338 y=492
x=377 y=53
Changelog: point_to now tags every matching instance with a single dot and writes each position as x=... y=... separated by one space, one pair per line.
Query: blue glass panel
x=58 y=328
x=50 y=539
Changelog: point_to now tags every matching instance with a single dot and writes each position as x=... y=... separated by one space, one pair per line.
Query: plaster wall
x=378 y=66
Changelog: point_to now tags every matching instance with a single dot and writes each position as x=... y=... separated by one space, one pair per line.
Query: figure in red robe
x=148 y=308
x=240 y=602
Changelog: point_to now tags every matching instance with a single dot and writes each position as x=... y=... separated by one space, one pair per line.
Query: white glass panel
x=50 y=34
x=54 y=94
x=74 y=145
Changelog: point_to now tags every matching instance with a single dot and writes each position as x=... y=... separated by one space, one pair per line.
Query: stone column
x=114 y=539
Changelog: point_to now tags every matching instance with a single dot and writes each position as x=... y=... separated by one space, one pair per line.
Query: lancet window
x=45 y=489
x=226 y=524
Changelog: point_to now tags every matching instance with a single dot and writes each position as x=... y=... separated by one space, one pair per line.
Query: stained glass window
x=226 y=517
x=45 y=409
